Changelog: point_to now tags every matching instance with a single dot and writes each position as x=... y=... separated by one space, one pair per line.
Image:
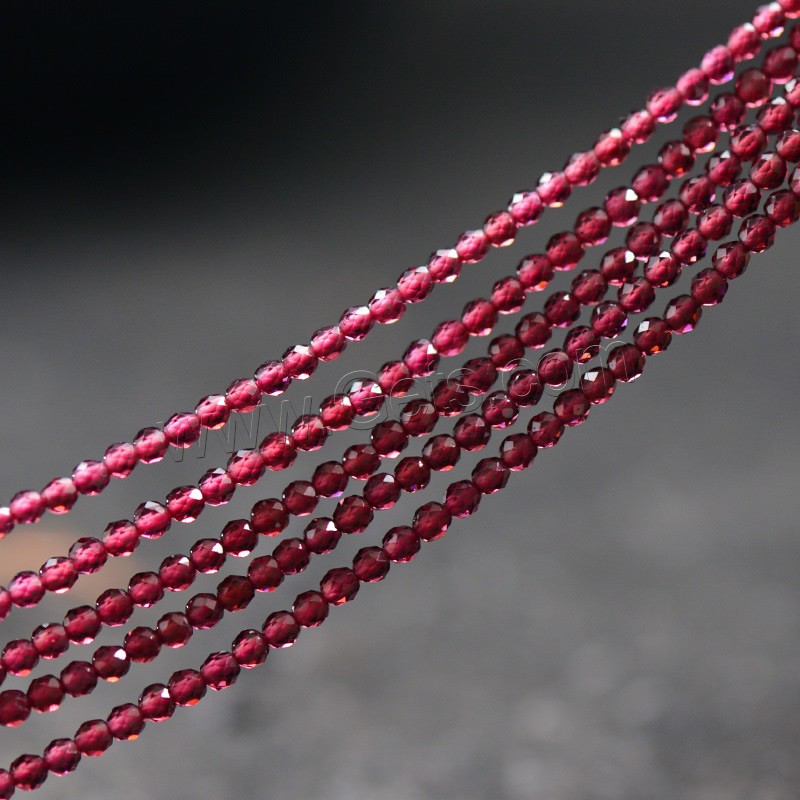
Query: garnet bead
x=88 y=555
x=757 y=233
x=652 y=336
x=114 y=607
x=490 y=475
x=245 y=467
x=517 y=451
x=235 y=592
x=415 y=284
x=268 y=517
x=26 y=589
x=310 y=609
x=360 y=461
x=45 y=694
x=207 y=556
x=598 y=385
x=50 y=640
x=663 y=270
x=525 y=207
x=14 y=708
x=219 y=671
x=29 y=772
x=387 y=306
x=545 y=429
x=572 y=407
x=371 y=564
x=265 y=573
x=500 y=228
x=272 y=378
x=355 y=323
x=204 y=611
x=126 y=722
x=78 y=678
x=472 y=432
x=27 y=507
x=472 y=246
x=382 y=491
x=292 y=556
x=300 y=498
x=110 y=663
x=535 y=272
x=389 y=438
x=82 y=624
x=93 y=738
x=250 y=649
x=329 y=479
x=174 y=629
x=90 y=477
x=431 y=521
x=60 y=495
x=156 y=704
x=187 y=687
x=554 y=189
x=213 y=411
x=182 y=430
x=62 y=756
x=412 y=474
x=238 y=539
x=321 y=535
x=626 y=362
x=339 y=586
x=353 y=514
x=609 y=320
x=281 y=629
x=58 y=575
x=682 y=314
x=142 y=645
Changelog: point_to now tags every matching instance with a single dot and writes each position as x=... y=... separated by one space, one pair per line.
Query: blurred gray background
x=190 y=189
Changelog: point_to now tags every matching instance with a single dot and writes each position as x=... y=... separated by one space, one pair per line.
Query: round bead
x=415 y=284
x=265 y=574
x=310 y=609
x=278 y=451
x=652 y=336
x=682 y=314
x=418 y=417
x=505 y=352
x=50 y=640
x=389 y=438
x=58 y=575
x=431 y=521
x=598 y=385
x=768 y=171
x=78 y=678
x=371 y=564
x=82 y=624
x=650 y=182
x=757 y=233
x=472 y=246
x=554 y=189
x=462 y=498
x=145 y=589
x=517 y=451
x=90 y=477
x=309 y=433
x=268 y=517
x=572 y=407
x=709 y=287
x=219 y=671
x=330 y=479
x=663 y=270
x=643 y=240
x=693 y=85
x=281 y=629
x=245 y=467
x=490 y=475
x=328 y=343
x=272 y=378
x=300 y=498
x=353 y=514
x=235 y=592
x=45 y=694
x=525 y=207
x=671 y=217
x=62 y=756
x=534 y=330
x=609 y=320
x=213 y=411
x=676 y=158
x=718 y=64
x=731 y=259
x=114 y=607
x=321 y=535
x=689 y=246
x=582 y=168
x=360 y=461
x=339 y=586
x=626 y=362
x=555 y=368
x=387 y=306
x=412 y=474
x=535 y=272
x=445 y=265
x=622 y=206
x=155 y=703
x=26 y=589
x=382 y=491
x=250 y=649
x=472 y=432
x=715 y=222
x=187 y=687
x=638 y=126
x=525 y=388
x=110 y=663
x=479 y=317
x=395 y=379
x=182 y=430
x=783 y=208
x=243 y=395
x=174 y=629
x=728 y=111
x=207 y=556
x=588 y=287
x=204 y=611
x=545 y=429
x=142 y=645
x=665 y=103
x=216 y=486
x=611 y=147
x=292 y=556
x=27 y=507
x=126 y=722
x=299 y=362
x=60 y=495
x=14 y=708
x=29 y=772
x=88 y=555
x=700 y=134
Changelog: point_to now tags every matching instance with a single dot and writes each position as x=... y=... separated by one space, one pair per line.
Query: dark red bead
x=204 y=611
x=535 y=272
x=126 y=722
x=431 y=521
x=525 y=207
x=508 y=295
x=671 y=217
x=626 y=362
x=207 y=556
x=272 y=378
x=697 y=193
x=353 y=514
x=82 y=624
x=219 y=671
x=121 y=538
x=292 y=556
x=689 y=246
x=450 y=398
x=29 y=772
x=265 y=573
x=243 y=395
x=389 y=438
x=592 y=227
x=145 y=589
x=155 y=703
x=174 y=629
x=401 y=544
x=62 y=756
x=217 y=487
x=728 y=111
x=88 y=555
x=663 y=270
x=636 y=296
x=418 y=417
x=638 y=126
x=715 y=222
x=450 y=337
x=682 y=314
x=757 y=233
x=622 y=206
x=561 y=309
x=588 y=288
x=339 y=586
x=78 y=678
x=472 y=432
x=564 y=250
x=462 y=498
x=723 y=168
x=371 y=564
x=499 y=410
x=235 y=592
x=643 y=240
x=93 y=738
x=15 y=708
x=652 y=336
x=748 y=142
x=395 y=379
x=421 y=358
x=517 y=451
x=545 y=429
x=534 y=330
x=355 y=323
x=46 y=694
x=676 y=158
x=555 y=368
x=50 y=640
x=187 y=687
x=114 y=607
x=753 y=87
x=412 y=474
x=650 y=182
x=524 y=387
x=382 y=491
x=554 y=189
x=776 y=116
x=611 y=147
x=111 y=663
x=709 y=287
x=609 y=320
x=278 y=451
x=618 y=266
x=506 y=352
x=693 y=86
x=182 y=430
x=472 y=246
x=213 y=411
x=783 y=208
x=309 y=432
x=741 y=198
x=582 y=168
x=479 y=317
x=269 y=517
x=310 y=609
x=58 y=575
x=490 y=475
x=572 y=407
x=246 y=467
x=598 y=385
x=142 y=645
x=300 y=498
x=250 y=648
x=700 y=134
x=478 y=375
x=20 y=657
x=281 y=629
x=321 y=535
x=238 y=539
x=330 y=479
x=788 y=145
x=768 y=171
x=60 y=495
x=664 y=103
x=415 y=284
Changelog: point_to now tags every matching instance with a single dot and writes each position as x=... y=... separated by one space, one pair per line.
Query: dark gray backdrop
x=188 y=190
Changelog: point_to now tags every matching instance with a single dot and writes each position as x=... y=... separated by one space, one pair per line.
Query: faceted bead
x=525 y=207
x=415 y=284
x=382 y=491
x=441 y=452
x=207 y=556
x=788 y=145
x=27 y=507
x=60 y=495
x=671 y=217
x=78 y=678
x=328 y=343
x=741 y=198
x=525 y=388
x=622 y=206
x=395 y=379
x=508 y=295
x=554 y=189
x=360 y=461
x=561 y=309
x=665 y=103
x=517 y=451
x=371 y=564
x=618 y=266
x=299 y=362
x=728 y=111
x=265 y=574
x=152 y=519
x=389 y=438
x=387 y=306
x=155 y=703
x=723 y=168
x=776 y=116
x=292 y=556
x=243 y=395
x=582 y=168
x=693 y=86
x=114 y=607
x=636 y=296
x=310 y=609
x=278 y=451
x=450 y=338
x=744 y=42
x=250 y=649
x=20 y=657
x=769 y=20
x=62 y=756
x=626 y=362
x=682 y=314
x=401 y=544
x=177 y=573
x=50 y=640
x=545 y=429
x=534 y=330
x=366 y=396
x=564 y=250
x=82 y=624
x=731 y=259
x=768 y=171
x=339 y=586
x=213 y=411
x=715 y=222
x=14 y=708
x=700 y=134
x=783 y=208
x=449 y=398
x=472 y=432
x=204 y=611
x=235 y=592
x=90 y=477
x=643 y=240
x=582 y=344
x=572 y=407
x=29 y=772
x=499 y=410
x=272 y=378
x=676 y=158
x=238 y=539
x=182 y=430
x=142 y=645
x=592 y=227
x=216 y=486
x=355 y=323
x=663 y=270
x=45 y=694
x=652 y=336
x=462 y=498
x=26 y=589
x=757 y=233
x=748 y=142
x=490 y=475
x=609 y=320
x=185 y=503
x=281 y=629
x=697 y=193
x=709 y=287
x=300 y=498
x=689 y=246
x=611 y=147
x=500 y=228
x=187 y=687
x=246 y=467
x=309 y=433
x=650 y=182
x=353 y=514
x=535 y=272
x=555 y=368
x=126 y=722
x=506 y=352
x=421 y=357
x=412 y=474
x=111 y=663
x=93 y=738
x=479 y=317
x=431 y=521
x=588 y=287
x=330 y=479
x=321 y=535
x=598 y=385
x=718 y=64
x=58 y=575
x=472 y=246
x=418 y=417
x=638 y=126
x=219 y=671
x=174 y=629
